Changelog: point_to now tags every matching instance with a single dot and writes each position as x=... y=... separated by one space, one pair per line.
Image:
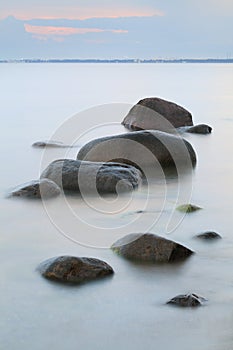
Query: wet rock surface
x=141 y=148
x=187 y=300
x=91 y=177
x=150 y=248
x=43 y=188
x=75 y=270
x=208 y=235
x=157 y=114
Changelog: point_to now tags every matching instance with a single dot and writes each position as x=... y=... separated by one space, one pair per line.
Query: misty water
x=74 y=103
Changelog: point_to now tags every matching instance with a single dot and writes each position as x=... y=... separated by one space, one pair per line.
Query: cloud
x=43 y=32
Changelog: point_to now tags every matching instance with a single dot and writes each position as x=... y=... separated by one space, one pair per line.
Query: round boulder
x=143 y=148
x=91 y=177
x=70 y=269
x=150 y=248
x=43 y=188
x=157 y=114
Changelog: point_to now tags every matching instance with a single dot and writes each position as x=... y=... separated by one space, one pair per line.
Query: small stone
x=43 y=144
x=188 y=208
x=187 y=300
x=209 y=235
x=43 y=188
x=70 y=269
x=149 y=247
x=199 y=129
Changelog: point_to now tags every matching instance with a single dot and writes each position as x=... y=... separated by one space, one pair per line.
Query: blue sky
x=121 y=29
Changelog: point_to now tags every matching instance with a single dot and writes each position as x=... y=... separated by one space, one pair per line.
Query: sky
x=116 y=29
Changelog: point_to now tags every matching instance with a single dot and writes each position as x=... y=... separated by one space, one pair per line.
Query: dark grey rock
x=43 y=188
x=199 y=129
x=187 y=300
x=70 y=269
x=209 y=235
x=91 y=177
x=157 y=114
x=142 y=148
x=151 y=248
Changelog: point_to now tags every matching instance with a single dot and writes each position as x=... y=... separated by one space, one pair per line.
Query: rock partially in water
x=93 y=177
x=187 y=300
x=150 y=248
x=71 y=269
x=141 y=148
x=188 y=208
x=51 y=144
x=199 y=129
x=209 y=235
x=157 y=114
x=43 y=188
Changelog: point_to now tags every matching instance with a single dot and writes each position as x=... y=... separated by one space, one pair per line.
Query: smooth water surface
x=127 y=311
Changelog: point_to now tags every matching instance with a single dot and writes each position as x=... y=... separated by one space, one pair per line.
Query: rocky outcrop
x=70 y=269
x=43 y=188
x=187 y=300
x=141 y=148
x=157 y=114
x=91 y=177
x=150 y=248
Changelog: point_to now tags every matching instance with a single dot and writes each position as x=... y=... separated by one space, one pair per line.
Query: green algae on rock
x=188 y=208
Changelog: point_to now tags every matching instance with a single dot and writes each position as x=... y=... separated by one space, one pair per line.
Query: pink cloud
x=86 y=13
x=43 y=32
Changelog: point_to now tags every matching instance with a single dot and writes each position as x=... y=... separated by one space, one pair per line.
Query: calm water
x=127 y=311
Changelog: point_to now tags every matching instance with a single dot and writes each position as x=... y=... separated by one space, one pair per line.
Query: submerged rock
x=52 y=144
x=187 y=300
x=151 y=248
x=141 y=148
x=188 y=208
x=43 y=188
x=209 y=235
x=70 y=269
x=157 y=114
x=199 y=129
x=91 y=177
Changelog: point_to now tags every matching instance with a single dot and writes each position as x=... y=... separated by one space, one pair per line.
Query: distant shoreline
x=135 y=61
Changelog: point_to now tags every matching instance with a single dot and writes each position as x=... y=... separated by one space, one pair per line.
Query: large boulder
x=43 y=188
x=75 y=175
x=141 y=148
x=151 y=248
x=71 y=269
x=157 y=114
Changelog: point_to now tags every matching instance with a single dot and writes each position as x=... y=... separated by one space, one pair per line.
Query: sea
x=75 y=103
